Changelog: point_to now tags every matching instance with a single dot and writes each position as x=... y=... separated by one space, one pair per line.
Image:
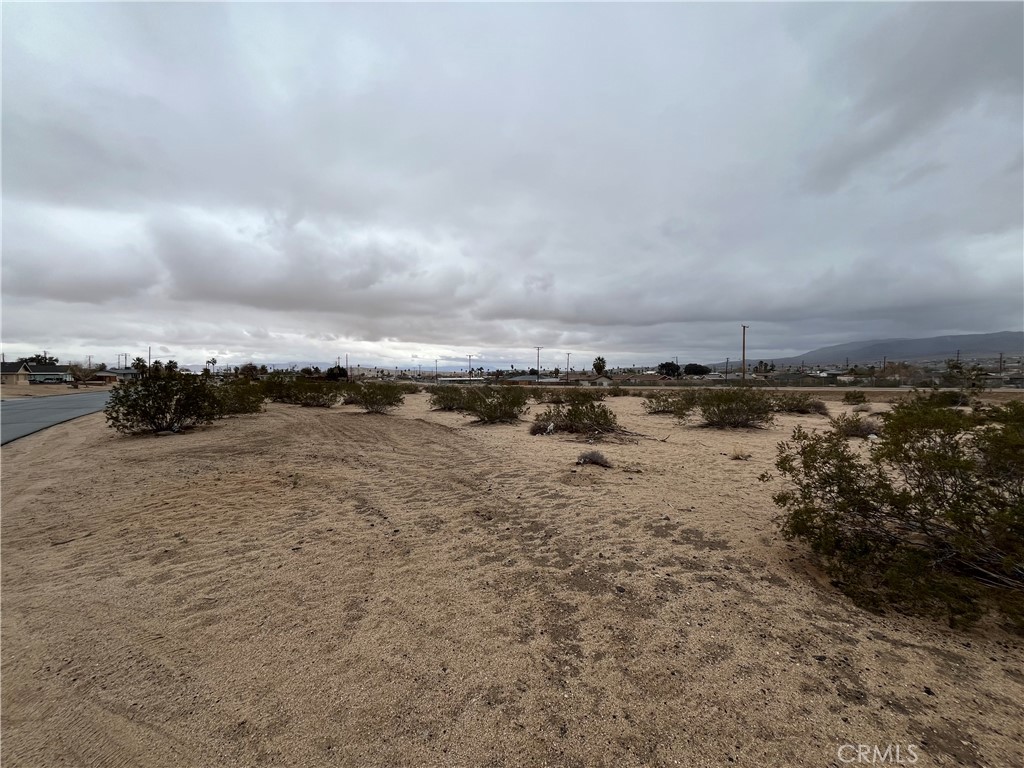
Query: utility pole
x=1000 y=362
x=743 y=373
x=435 y=370
x=538 y=362
x=727 y=369
x=566 y=367
x=470 y=366
x=957 y=355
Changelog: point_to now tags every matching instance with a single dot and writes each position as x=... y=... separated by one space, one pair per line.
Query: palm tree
x=600 y=365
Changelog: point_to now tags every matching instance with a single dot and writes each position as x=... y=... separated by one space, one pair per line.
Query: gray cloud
x=398 y=181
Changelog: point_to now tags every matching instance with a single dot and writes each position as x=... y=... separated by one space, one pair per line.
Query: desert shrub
x=576 y=418
x=946 y=398
x=314 y=394
x=279 y=387
x=931 y=519
x=171 y=401
x=447 y=397
x=797 y=402
x=240 y=396
x=678 y=402
x=736 y=407
x=494 y=405
x=409 y=388
x=616 y=391
x=585 y=395
x=855 y=426
x=862 y=408
x=854 y=397
x=594 y=457
x=380 y=397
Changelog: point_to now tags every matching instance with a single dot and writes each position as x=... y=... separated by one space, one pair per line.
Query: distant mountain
x=971 y=346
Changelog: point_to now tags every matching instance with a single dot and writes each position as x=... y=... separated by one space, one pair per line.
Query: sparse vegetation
x=493 y=405
x=855 y=397
x=931 y=520
x=677 y=402
x=585 y=418
x=166 y=402
x=447 y=397
x=737 y=407
x=855 y=426
x=594 y=457
x=862 y=408
x=379 y=396
x=797 y=402
x=240 y=396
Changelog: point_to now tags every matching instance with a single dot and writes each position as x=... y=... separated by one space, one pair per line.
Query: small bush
x=576 y=418
x=855 y=426
x=616 y=391
x=447 y=397
x=677 y=402
x=594 y=457
x=797 y=402
x=496 y=405
x=170 y=401
x=741 y=407
x=854 y=397
x=240 y=396
x=380 y=397
x=947 y=398
x=314 y=394
x=409 y=388
x=932 y=520
x=862 y=408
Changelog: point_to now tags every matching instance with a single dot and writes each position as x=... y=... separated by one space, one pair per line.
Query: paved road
x=31 y=414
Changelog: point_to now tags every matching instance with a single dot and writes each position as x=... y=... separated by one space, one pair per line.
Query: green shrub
x=240 y=396
x=584 y=394
x=380 y=397
x=171 y=401
x=616 y=391
x=855 y=426
x=932 y=519
x=797 y=402
x=854 y=397
x=279 y=387
x=736 y=407
x=449 y=397
x=494 y=405
x=315 y=394
x=409 y=388
x=576 y=418
x=947 y=398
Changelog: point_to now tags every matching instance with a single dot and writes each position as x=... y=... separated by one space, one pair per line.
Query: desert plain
x=311 y=587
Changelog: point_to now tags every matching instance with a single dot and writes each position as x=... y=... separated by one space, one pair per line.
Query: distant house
x=590 y=380
x=48 y=374
x=119 y=374
x=14 y=373
x=642 y=378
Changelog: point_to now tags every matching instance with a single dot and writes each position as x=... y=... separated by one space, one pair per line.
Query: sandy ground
x=310 y=587
x=17 y=391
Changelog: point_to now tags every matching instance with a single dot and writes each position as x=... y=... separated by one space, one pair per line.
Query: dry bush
x=585 y=418
x=862 y=408
x=931 y=520
x=798 y=402
x=854 y=397
x=594 y=457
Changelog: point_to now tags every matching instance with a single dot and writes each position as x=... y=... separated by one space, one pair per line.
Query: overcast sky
x=409 y=182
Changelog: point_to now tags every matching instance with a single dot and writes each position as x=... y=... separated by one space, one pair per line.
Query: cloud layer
x=410 y=182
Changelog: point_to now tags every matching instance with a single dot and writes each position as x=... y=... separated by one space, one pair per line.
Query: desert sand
x=314 y=587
